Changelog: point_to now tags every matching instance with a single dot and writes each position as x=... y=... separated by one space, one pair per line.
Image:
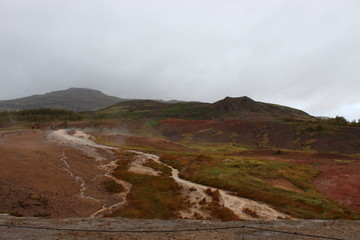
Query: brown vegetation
x=218 y=211
x=214 y=194
x=113 y=187
x=250 y=212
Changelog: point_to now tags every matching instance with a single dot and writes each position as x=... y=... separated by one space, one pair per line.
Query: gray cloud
x=302 y=54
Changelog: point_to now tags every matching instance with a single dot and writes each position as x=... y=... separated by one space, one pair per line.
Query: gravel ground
x=339 y=229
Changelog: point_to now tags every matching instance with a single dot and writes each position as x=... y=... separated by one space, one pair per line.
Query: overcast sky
x=299 y=53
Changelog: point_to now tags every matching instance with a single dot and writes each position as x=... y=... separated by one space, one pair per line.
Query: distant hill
x=83 y=99
x=248 y=108
x=228 y=108
x=75 y=99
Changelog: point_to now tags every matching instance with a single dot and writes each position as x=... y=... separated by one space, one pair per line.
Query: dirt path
x=347 y=230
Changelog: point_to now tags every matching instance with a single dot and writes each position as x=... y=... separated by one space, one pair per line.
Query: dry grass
x=113 y=187
x=220 y=212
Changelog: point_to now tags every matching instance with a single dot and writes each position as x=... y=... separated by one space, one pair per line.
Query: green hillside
x=74 y=99
x=239 y=108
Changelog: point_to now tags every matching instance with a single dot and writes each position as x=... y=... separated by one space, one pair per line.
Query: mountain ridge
x=85 y=99
x=75 y=99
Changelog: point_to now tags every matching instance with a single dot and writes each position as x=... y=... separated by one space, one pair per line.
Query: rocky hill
x=243 y=105
x=75 y=99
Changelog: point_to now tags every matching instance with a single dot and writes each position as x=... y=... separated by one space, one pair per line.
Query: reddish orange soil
x=341 y=182
x=34 y=180
x=156 y=143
